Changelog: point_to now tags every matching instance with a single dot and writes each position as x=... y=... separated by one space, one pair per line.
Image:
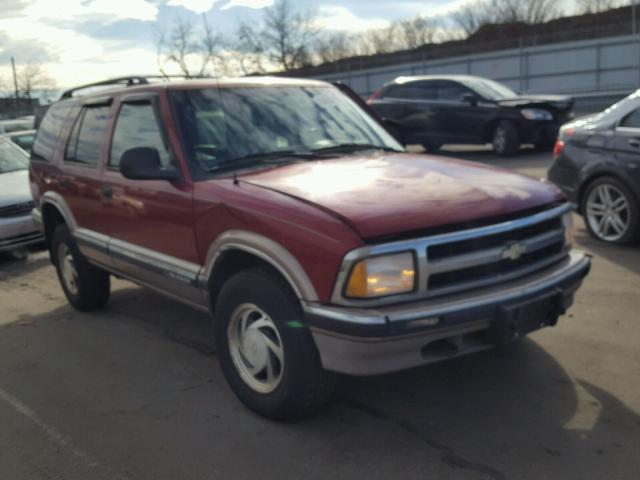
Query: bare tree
x=194 y=50
x=335 y=46
x=33 y=78
x=486 y=12
x=417 y=31
x=284 y=38
x=597 y=6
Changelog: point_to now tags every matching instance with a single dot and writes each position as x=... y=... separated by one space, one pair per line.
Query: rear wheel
x=268 y=357
x=505 y=139
x=611 y=212
x=396 y=133
x=431 y=147
x=85 y=286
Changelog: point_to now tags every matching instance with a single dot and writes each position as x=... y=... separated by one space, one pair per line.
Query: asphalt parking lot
x=135 y=392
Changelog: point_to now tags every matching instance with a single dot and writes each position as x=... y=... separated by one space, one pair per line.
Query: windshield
x=12 y=158
x=489 y=89
x=222 y=125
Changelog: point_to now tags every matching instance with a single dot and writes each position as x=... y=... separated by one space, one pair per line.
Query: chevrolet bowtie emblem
x=514 y=251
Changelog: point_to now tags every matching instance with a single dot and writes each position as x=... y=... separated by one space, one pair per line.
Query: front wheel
x=505 y=139
x=268 y=357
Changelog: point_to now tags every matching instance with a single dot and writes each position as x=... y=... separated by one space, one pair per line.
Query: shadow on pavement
x=507 y=413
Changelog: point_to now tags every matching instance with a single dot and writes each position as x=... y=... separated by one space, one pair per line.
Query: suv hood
x=387 y=194
x=561 y=103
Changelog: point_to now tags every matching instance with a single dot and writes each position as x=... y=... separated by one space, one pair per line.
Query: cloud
x=255 y=4
x=197 y=6
x=104 y=10
x=447 y=8
x=333 y=17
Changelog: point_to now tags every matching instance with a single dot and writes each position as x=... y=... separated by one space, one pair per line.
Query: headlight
x=382 y=276
x=536 y=114
x=569 y=229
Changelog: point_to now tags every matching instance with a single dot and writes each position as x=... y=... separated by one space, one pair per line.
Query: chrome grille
x=16 y=209
x=493 y=257
x=474 y=258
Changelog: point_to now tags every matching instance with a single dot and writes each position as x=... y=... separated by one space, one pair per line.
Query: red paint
x=318 y=210
x=385 y=194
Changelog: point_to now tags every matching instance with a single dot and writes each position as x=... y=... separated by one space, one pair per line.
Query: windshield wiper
x=262 y=157
x=354 y=147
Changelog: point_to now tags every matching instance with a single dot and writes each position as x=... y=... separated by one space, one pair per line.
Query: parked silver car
x=17 y=124
x=22 y=138
x=16 y=225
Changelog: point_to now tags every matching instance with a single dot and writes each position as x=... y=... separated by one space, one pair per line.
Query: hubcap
x=256 y=348
x=608 y=212
x=68 y=270
x=499 y=139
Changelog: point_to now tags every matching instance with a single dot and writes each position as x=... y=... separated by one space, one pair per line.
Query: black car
x=597 y=165
x=462 y=109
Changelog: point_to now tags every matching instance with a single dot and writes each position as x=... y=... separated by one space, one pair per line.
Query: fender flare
x=56 y=200
x=266 y=249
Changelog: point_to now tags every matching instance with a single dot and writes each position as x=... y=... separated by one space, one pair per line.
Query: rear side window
x=49 y=131
x=414 y=91
x=87 y=135
x=632 y=120
x=451 y=91
x=137 y=126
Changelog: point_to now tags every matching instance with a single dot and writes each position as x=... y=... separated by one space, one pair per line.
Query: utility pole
x=15 y=80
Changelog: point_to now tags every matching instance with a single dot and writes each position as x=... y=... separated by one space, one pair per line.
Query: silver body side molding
x=177 y=278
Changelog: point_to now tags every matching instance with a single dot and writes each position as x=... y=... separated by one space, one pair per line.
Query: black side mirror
x=470 y=98
x=143 y=163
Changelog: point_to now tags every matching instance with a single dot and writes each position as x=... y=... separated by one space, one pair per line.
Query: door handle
x=634 y=142
x=107 y=192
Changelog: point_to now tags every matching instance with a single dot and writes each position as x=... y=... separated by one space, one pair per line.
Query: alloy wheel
x=607 y=211
x=500 y=140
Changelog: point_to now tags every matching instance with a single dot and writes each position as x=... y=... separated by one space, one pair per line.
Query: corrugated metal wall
x=597 y=72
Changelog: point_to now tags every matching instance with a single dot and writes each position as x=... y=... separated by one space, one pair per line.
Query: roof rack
x=126 y=81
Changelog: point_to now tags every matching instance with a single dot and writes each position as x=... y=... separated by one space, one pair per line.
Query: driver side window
x=137 y=126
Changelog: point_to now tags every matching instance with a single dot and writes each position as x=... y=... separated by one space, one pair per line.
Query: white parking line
x=55 y=436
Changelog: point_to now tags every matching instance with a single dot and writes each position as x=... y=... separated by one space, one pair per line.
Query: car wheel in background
x=268 y=357
x=86 y=287
x=431 y=147
x=611 y=211
x=395 y=133
x=545 y=146
x=505 y=139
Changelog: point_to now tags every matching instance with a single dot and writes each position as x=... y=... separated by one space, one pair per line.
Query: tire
x=396 y=133
x=623 y=212
x=505 y=139
x=86 y=287
x=545 y=146
x=431 y=147
x=299 y=386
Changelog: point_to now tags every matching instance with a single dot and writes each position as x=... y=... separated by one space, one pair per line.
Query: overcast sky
x=88 y=40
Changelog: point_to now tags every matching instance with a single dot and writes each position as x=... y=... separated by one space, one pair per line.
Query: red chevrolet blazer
x=285 y=210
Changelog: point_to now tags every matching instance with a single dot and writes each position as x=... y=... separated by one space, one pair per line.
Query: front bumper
x=383 y=340
x=17 y=232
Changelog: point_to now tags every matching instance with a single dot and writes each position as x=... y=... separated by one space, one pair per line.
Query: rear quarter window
x=49 y=131
x=88 y=133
